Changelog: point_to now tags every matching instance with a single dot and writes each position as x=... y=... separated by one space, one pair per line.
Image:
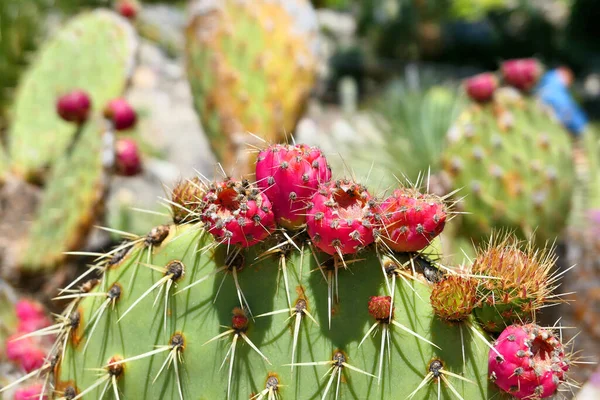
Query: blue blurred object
x=553 y=91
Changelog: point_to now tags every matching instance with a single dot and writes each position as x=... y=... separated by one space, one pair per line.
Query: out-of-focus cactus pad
x=70 y=201
x=251 y=65
x=94 y=52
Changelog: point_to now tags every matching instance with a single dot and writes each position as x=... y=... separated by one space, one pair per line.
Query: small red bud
x=128 y=159
x=380 y=306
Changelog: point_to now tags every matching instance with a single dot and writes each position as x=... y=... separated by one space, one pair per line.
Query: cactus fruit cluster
x=225 y=302
x=512 y=157
x=93 y=52
x=26 y=354
x=251 y=66
x=59 y=140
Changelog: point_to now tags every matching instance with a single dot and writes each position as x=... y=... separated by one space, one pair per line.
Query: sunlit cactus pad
x=93 y=52
x=251 y=66
x=111 y=330
x=512 y=159
x=70 y=202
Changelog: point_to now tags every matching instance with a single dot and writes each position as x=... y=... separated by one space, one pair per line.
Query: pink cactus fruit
x=30 y=392
x=29 y=310
x=522 y=73
x=528 y=362
x=289 y=175
x=341 y=217
x=237 y=212
x=25 y=352
x=120 y=112
x=481 y=87
x=127 y=8
x=128 y=159
x=74 y=106
x=411 y=220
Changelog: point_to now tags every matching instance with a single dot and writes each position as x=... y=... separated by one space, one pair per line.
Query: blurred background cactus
x=251 y=68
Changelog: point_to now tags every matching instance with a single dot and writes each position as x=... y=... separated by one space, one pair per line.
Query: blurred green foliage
x=414 y=125
x=20 y=32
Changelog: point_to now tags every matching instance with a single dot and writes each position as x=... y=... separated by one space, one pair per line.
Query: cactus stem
x=173 y=271
x=296 y=312
x=438 y=373
x=479 y=335
x=282 y=249
x=338 y=362
x=110 y=375
x=385 y=331
x=175 y=349
x=111 y=297
x=237 y=333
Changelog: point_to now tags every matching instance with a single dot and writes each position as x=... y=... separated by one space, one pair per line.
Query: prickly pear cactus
x=94 y=51
x=224 y=304
x=251 y=66
x=512 y=159
x=215 y=350
x=71 y=201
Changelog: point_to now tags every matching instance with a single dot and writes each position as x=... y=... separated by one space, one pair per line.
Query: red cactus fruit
x=411 y=220
x=237 y=212
x=522 y=73
x=289 y=175
x=380 y=306
x=239 y=321
x=25 y=352
x=341 y=217
x=29 y=310
x=120 y=112
x=128 y=160
x=481 y=87
x=127 y=8
x=74 y=106
x=30 y=392
x=528 y=362
x=454 y=297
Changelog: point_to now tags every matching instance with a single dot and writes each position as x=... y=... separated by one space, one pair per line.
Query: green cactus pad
x=251 y=67
x=199 y=315
x=513 y=161
x=95 y=53
x=70 y=201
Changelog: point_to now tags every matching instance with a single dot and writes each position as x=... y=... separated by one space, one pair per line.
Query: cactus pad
x=513 y=160
x=71 y=198
x=94 y=52
x=195 y=282
x=251 y=66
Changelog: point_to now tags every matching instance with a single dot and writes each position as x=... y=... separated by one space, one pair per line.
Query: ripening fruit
x=528 y=362
x=128 y=160
x=74 y=106
x=481 y=87
x=120 y=112
x=522 y=73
